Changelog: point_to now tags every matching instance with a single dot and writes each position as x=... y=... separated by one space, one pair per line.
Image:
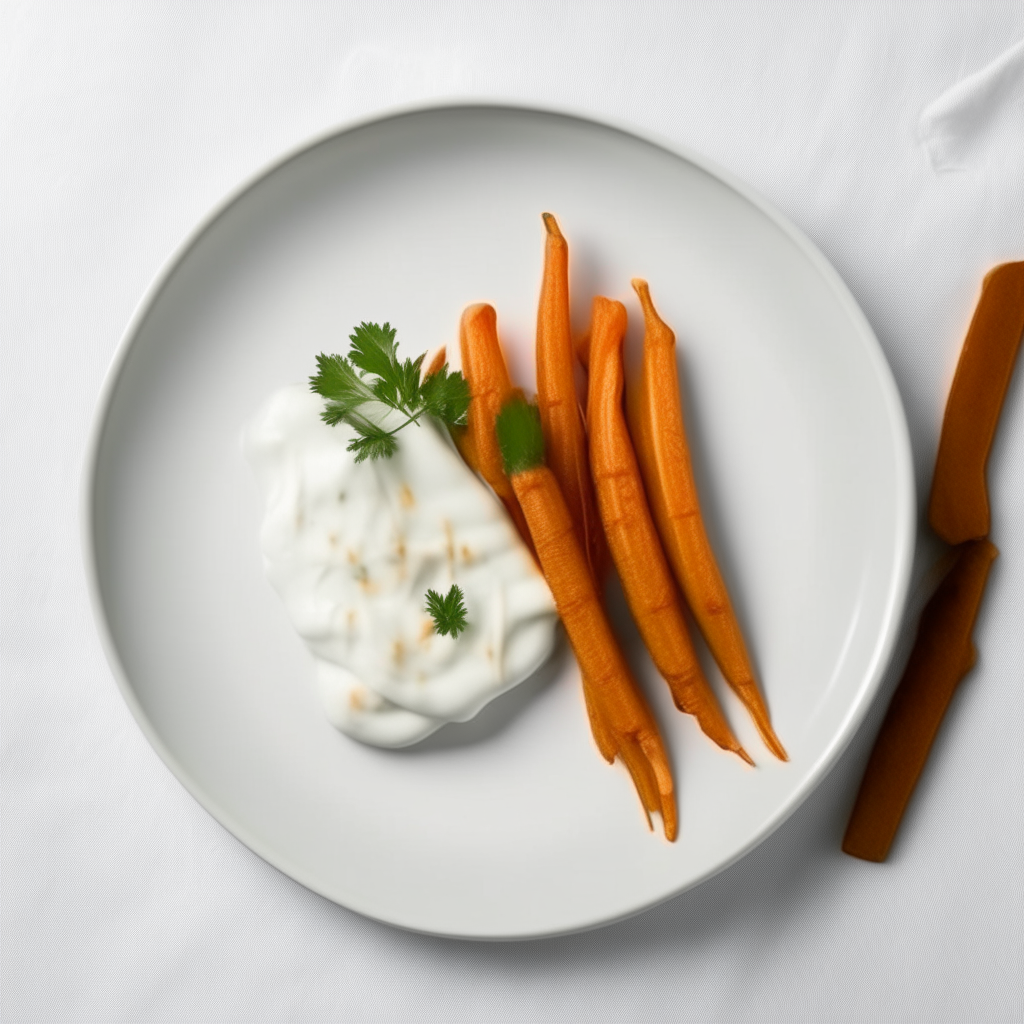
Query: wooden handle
x=943 y=654
x=958 y=509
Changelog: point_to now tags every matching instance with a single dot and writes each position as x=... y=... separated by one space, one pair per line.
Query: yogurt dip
x=352 y=550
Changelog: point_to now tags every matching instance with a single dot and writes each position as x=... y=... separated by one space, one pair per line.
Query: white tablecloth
x=893 y=134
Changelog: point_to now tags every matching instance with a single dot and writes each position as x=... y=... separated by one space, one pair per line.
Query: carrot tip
x=771 y=741
x=434 y=364
x=643 y=292
x=671 y=826
x=552 y=225
x=746 y=757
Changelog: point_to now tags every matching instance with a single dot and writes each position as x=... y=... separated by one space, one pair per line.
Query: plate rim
x=905 y=498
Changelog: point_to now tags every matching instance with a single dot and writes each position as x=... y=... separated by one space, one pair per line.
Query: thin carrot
x=656 y=425
x=958 y=508
x=562 y=420
x=459 y=435
x=581 y=346
x=647 y=582
x=483 y=366
x=623 y=709
x=560 y=415
x=604 y=739
x=943 y=654
x=436 y=363
x=485 y=370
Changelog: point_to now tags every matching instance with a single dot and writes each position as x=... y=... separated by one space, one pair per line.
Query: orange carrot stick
x=604 y=739
x=656 y=424
x=564 y=432
x=435 y=364
x=483 y=366
x=485 y=370
x=562 y=421
x=623 y=708
x=943 y=654
x=958 y=507
x=647 y=582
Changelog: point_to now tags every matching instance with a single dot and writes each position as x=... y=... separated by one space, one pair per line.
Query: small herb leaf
x=373 y=373
x=448 y=612
x=410 y=387
x=373 y=442
x=339 y=383
x=446 y=396
x=520 y=436
x=373 y=349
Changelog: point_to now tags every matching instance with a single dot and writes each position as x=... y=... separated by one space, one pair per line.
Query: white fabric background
x=120 y=125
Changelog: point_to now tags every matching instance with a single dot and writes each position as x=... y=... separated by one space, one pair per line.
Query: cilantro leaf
x=409 y=387
x=520 y=436
x=401 y=387
x=446 y=396
x=373 y=373
x=373 y=442
x=448 y=612
x=374 y=350
x=340 y=385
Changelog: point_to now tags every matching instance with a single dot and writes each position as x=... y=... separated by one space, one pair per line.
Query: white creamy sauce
x=352 y=550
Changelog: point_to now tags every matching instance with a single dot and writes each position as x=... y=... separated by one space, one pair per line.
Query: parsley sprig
x=373 y=373
x=448 y=612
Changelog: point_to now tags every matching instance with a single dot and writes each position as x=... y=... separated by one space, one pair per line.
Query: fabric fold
x=980 y=119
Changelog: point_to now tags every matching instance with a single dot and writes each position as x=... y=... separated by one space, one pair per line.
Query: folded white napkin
x=980 y=120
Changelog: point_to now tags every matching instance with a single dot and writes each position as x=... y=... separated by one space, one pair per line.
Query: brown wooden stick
x=959 y=509
x=943 y=654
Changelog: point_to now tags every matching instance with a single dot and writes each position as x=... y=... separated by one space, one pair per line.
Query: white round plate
x=511 y=825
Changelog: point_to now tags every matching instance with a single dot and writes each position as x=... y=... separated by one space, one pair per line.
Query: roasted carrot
x=582 y=349
x=562 y=419
x=624 y=711
x=942 y=655
x=604 y=740
x=958 y=508
x=460 y=435
x=651 y=592
x=560 y=415
x=483 y=366
x=434 y=366
x=656 y=425
x=485 y=370
x=958 y=511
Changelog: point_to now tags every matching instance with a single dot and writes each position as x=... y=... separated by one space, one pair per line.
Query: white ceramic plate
x=509 y=826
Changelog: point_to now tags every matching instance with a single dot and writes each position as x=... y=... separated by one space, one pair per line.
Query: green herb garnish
x=373 y=373
x=520 y=436
x=448 y=612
